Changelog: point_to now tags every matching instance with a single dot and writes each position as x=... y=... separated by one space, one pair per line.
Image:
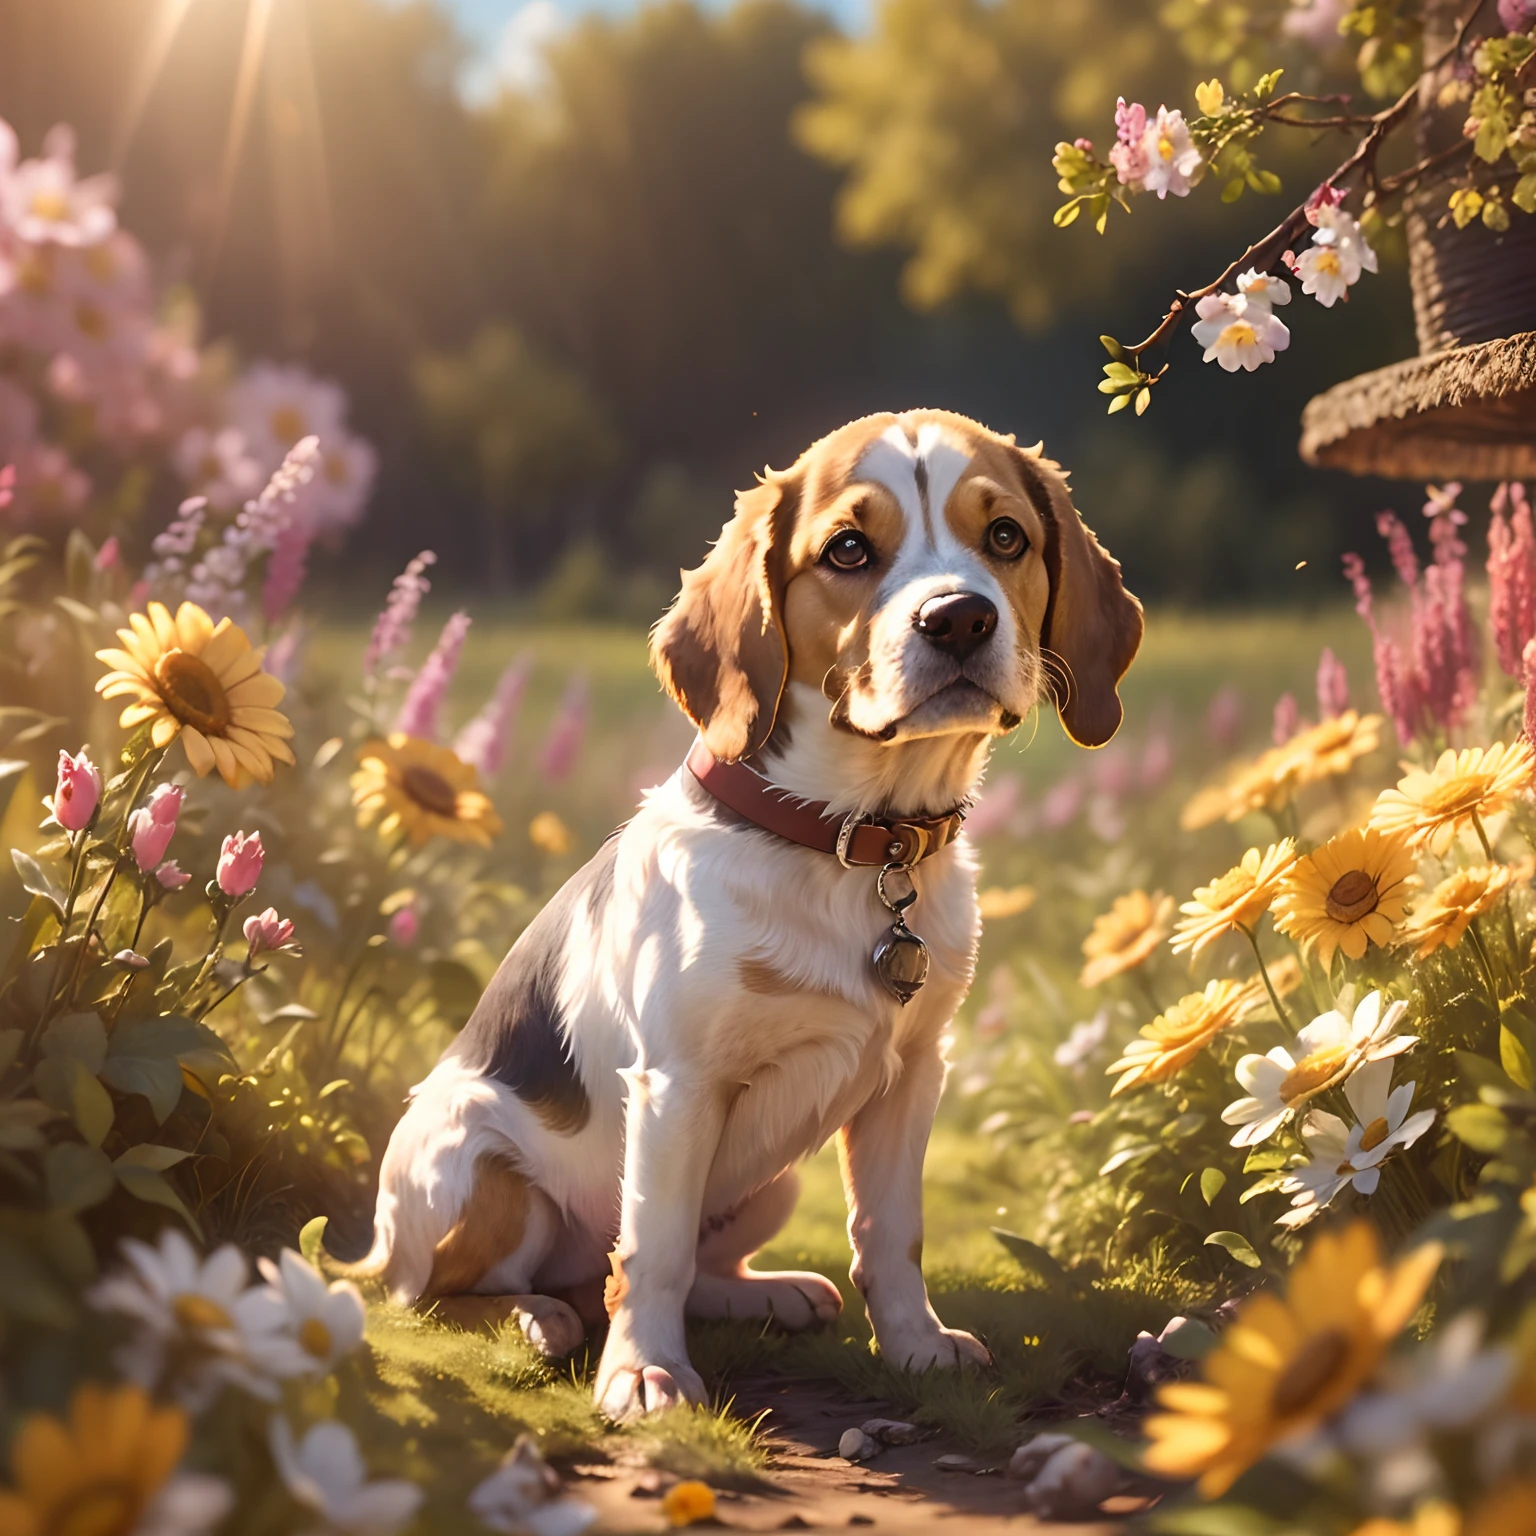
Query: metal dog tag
x=901 y=957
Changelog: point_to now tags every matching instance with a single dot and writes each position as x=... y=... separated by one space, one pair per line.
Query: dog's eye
x=848 y=551
x=1006 y=539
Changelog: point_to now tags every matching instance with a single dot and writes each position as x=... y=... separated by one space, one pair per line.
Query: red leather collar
x=855 y=840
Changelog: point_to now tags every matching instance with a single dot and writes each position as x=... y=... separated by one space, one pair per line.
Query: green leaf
x=145 y=1056
x=1233 y=190
x=68 y=1085
x=1514 y=1058
x=1113 y=347
x=1191 y=1340
x=38 y=881
x=1120 y=373
x=1237 y=1246
x=1066 y=214
x=1478 y=1126
x=28 y=1289
x=148 y=1155
x=148 y=1185
x=1212 y=1182
x=1264 y=181
x=1143 y=400
x=21 y=1122
x=1124 y=1156
x=312 y=1240
x=1263 y=1159
x=1492 y=137
x=1524 y=194
x=1119 y=403
x=1267 y=1185
x=80 y=1035
x=1039 y=1261
x=76 y=1177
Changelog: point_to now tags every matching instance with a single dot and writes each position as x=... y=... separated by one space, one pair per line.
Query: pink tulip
x=78 y=792
x=171 y=875
x=109 y=556
x=266 y=930
x=240 y=861
x=153 y=825
x=404 y=926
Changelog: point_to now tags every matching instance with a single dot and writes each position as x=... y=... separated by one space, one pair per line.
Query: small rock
x=855 y=1445
x=861 y=1519
x=1073 y=1483
x=893 y=1431
x=955 y=1463
x=1030 y=1457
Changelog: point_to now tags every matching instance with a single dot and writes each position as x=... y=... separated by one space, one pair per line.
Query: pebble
x=956 y=1463
x=893 y=1431
x=855 y=1445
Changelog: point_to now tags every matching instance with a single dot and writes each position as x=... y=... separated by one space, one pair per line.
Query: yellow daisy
x=98 y=1472
x=1333 y=746
x=190 y=677
x=1173 y=1039
x=1237 y=900
x=1000 y=901
x=1445 y=914
x=1265 y=784
x=1348 y=894
x=1287 y=1364
x=1126 y=935
x=423 y=790
x=1430 y=806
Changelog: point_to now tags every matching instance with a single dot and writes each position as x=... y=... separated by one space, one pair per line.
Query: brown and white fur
x=696 y=1010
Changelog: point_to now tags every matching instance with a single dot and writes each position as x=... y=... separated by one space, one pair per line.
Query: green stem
x=1483 y=961
x=1269 y=986
x=1139 y=978
x=90 y=923
x=77 y=865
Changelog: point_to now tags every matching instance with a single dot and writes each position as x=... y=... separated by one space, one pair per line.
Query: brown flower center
x=1352 y=896
x=1312 y=1072
x=192 y=692
x=1314 y=1368
x=315 y=1338
x=198 y=1312
x=287 y=424
x=98 y=1509
x=1374 y=1134
x=430 y=790
x=92 y=322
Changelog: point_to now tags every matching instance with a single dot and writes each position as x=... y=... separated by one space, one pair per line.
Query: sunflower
x=1125 y=936
x=1265 y=784
x=102 y=1471
x=1286 y=1365
x=1432 y=805
x=1237 y=900
x=1444 y=915
x=1347 y=894
x=190 y=677
x=1332 y=746
x=423 y=790
x=1173 y=1039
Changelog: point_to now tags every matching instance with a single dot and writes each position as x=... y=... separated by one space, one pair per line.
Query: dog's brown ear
x=1092 y=627
x=720 y=649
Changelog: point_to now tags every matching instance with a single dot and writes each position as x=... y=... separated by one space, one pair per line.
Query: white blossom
x=524 y=1497
x=325 y=1473
x=1173 y=162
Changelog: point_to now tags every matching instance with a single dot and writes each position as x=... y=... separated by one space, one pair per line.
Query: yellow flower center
x=210 y=468
x=430 y=790
x=196 y=1312
x=1312 y=1072
x=1165 y=147
x=1327 y=260
x=35 y=276
x=98 y=1509
x=1458 y=797
x=192 y=692
x=91 y=322
x=1311 y=1371
x=50 y=204
x=1240 y=334
x=315 y=1338
x=1352 y=896
x=100 y=263
x=1375 y=1133
x=287 y=424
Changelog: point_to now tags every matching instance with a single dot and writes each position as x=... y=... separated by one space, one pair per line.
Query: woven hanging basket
x=1465 y=408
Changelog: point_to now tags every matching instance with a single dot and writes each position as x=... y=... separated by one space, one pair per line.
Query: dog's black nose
x=957 y=623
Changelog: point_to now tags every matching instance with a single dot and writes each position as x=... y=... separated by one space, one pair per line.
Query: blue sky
x=509 y=32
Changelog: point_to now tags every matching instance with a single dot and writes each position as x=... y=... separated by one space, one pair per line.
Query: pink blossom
x=266 y=930
x=1112 y=771
x=1086 y=145
x=1224 y=718
x=1061 y=804
x=172 y=876
x=1315 y=22
x=404 y=926
x=484 y=742
x=1517 y=15
x=1156 y=757
x=1129 y=156
x=1287 y=718
x=1324 y=197
x=1529 y=662
x=995 y=807
x=392 y=630
x=153 y=825
x=1511 y=576
x=77 y=793
x=287 y=567
x=1332 y=685
x=7 y=485
x=240 y=861
x=43 y=201
x=109 y=556
x=563 y=744
x=421 y=713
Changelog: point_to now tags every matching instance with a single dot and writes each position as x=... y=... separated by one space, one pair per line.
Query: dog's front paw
x=947 y=1348
x=628 y=1389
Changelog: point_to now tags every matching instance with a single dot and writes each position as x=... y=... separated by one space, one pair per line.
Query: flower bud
x=77 y=793
x=171 y=875
x=240 y=861
x=266 y=930
x=404 y=926
x=153 y=825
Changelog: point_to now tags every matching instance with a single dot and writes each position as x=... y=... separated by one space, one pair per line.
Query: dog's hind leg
x=726 y=1285
x=482 y=1271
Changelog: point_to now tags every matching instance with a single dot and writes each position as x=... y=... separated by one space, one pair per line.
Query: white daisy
x=1326 y=1052
x=325 y=1473
x=523 y=1496
x=308 y=1325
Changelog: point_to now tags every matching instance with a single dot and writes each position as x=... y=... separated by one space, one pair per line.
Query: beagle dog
x=701 y=1006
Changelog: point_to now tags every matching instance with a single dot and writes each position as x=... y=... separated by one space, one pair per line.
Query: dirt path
x=813 y=1488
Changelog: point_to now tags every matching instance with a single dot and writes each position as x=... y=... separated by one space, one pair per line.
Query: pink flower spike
x=109 y=555
x=7 y=485
x=267 y=931
x=421 y=713
x=405 y=926
x=153 y=825
x=78 y=792
x=1287 y=718
x=1530 y=691
x=240 y=861
x=1332 y=685
x=172 y=876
